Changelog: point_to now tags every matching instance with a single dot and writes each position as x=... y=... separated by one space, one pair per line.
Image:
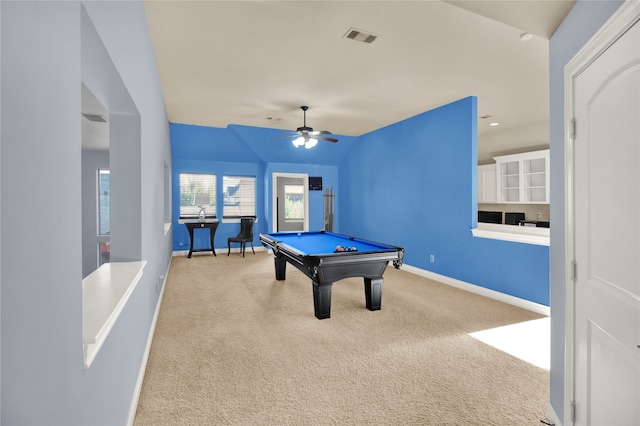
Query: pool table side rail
x=380 y=247
x=389 y=253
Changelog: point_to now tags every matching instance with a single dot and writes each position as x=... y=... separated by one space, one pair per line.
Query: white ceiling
x=255 y=63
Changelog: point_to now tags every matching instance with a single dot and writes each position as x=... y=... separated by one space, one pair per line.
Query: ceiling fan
x=307 y=136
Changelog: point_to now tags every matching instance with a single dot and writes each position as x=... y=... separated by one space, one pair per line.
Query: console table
x=210 y=224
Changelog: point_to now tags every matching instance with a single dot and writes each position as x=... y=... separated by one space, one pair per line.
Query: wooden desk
x=212 y=225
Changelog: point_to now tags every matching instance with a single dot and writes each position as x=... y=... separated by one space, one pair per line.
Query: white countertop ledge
x=105 y=293
x=518 y=234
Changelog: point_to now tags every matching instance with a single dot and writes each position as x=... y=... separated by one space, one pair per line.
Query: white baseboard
x=552 y=417
x=145 y=357
x=511 y=300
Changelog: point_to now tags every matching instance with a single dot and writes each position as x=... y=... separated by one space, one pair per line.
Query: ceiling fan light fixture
x=306 y=136
x=311 y=143
x=298 y=142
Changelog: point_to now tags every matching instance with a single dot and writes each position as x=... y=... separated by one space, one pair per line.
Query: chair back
x=246 y=227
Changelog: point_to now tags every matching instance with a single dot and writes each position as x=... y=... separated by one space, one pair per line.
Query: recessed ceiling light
x=494 y=124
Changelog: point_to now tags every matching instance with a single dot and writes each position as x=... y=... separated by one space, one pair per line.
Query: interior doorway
x=290 y=202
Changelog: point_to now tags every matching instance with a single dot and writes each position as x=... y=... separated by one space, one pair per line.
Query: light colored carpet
x=233 y=346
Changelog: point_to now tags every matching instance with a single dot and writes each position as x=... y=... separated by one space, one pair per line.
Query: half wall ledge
x=105 y=292
x=518 y=234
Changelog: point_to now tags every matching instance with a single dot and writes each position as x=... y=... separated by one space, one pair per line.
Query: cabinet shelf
x=523 y=178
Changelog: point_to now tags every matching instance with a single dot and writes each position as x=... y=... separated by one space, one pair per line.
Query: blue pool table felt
x=315 y=243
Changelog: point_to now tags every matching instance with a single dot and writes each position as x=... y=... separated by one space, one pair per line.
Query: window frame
x=210 y=182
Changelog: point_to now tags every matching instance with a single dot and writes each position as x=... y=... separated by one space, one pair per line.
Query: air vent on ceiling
x=96 y=118
x=359 y=35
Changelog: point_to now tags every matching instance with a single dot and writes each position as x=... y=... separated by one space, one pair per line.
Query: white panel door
x=607 y=236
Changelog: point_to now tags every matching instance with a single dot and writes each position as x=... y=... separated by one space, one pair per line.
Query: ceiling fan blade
x=291 y=136
x=324 y=138
x=320 y=132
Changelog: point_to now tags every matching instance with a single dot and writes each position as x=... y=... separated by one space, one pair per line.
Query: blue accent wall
x=412 y=184
x=248 y=151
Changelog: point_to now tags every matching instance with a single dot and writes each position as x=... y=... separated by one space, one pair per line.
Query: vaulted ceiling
x=256 y=62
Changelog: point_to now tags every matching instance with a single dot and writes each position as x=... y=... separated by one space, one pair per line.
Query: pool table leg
x=281 y=268
x=373 y=293
x=322 y=299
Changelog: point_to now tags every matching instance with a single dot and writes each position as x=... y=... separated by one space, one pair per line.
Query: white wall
x=42 y=376
x=584 y=19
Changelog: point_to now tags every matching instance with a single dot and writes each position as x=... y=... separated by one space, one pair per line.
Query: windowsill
x=235 y=219
x=518 y=234
x=105 y=293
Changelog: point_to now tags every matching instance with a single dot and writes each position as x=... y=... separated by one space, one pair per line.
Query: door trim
x=623 y=19
x=274 y=197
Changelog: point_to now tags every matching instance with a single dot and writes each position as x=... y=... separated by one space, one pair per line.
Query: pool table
x=314 y=253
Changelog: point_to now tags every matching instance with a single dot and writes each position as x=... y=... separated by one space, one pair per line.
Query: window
x=239 y=196
x=200 y=185
x=104 y=253
x=104 y=202
x=294 y=202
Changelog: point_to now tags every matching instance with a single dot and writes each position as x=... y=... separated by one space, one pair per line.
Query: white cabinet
x=487 y=185
x=523 y=178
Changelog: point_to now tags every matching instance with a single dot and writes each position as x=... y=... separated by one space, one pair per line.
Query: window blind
x=200 y=185
x=239 y=196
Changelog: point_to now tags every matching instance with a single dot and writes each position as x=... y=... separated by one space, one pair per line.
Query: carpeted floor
x=233 y=346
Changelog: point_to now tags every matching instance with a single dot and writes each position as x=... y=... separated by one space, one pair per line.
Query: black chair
x=245 y=236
